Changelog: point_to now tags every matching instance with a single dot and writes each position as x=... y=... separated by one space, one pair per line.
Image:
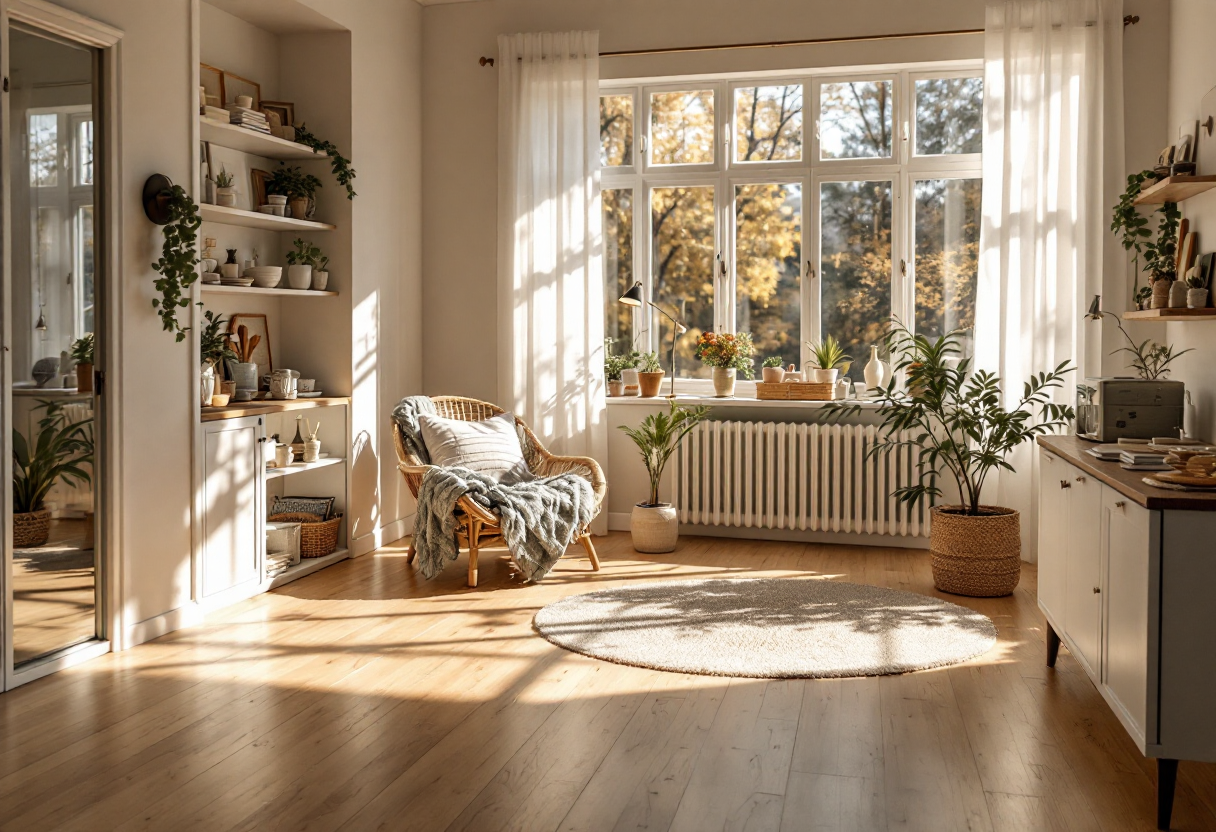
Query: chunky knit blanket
x=540 y=517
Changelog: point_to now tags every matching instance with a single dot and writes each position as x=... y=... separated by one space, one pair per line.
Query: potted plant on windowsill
x=613 y=367
x=772 y=371
x=650 y=375
x=959 y=428
x=727 y=354
x=827 y=357
x=654 y=526
x=82 y=354
x=61 y=451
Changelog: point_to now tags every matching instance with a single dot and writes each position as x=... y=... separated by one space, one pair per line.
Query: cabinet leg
x=1167 y=778
x=1053 y=645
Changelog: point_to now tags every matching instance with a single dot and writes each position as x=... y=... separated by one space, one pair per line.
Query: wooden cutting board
x=1205 y=149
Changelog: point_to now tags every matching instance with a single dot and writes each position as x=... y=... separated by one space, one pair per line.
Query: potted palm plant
x=650 y=375
x=961 y=430
x=82 y=354
x=655 y=526
x=827 y=357
x=61 y=451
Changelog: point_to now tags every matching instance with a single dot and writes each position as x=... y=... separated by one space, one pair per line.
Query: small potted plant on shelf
x=650 y=375
x=320 y=272
x=655 y=526
x=1150 y=359
x=82 y=354
x=215 y=346
x=1196 y=292
x=827 y=358
x=959 y=426
x=629 y=372
x=727 y=354
x=300 y=264
x=225 y=189
x=772 y=371
x=62 y=450
x=613 y=367
x=1158 y=255
x=297 y=186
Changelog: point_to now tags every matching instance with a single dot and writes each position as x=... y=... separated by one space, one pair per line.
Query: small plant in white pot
x=225 y=189
x=614 y=365
x=957 y=427
x=655 y=526
x=827 y=357
x=772 y=371
x=300 y=264
x=1196 y=292
x=650 y=375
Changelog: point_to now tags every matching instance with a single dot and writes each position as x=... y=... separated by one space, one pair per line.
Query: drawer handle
x=1119 y=504
x=1065 y=484
x=1080 y=479
x=1097 y=590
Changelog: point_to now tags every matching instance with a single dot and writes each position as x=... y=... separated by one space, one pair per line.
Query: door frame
x=105 y=40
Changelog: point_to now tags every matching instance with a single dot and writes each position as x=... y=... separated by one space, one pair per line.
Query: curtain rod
x=1128 y=20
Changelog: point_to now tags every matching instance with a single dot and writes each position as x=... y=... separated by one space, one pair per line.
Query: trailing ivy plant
x=1133 y=230
x=178 y=258
x=342 y=170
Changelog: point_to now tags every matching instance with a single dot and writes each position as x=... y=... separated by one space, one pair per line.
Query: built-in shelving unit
x=1175 y=189
x=250 y=141
x=253 y=219
x=263 y=407
x=1170 y=315
x=301 y=467
x=306 y=566
x=213 y=289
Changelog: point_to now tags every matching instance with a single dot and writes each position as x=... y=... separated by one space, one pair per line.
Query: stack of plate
x=236 y=281
x=265 y=277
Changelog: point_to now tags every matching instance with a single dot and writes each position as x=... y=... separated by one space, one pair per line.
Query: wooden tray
x=801 y=391
x=1189 y=480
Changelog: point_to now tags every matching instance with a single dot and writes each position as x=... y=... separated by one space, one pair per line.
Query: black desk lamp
x=633 y=297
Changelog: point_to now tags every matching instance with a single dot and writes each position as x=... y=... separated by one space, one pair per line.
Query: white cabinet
x=1125 y=595
x=233 y=495
x=1053 y=531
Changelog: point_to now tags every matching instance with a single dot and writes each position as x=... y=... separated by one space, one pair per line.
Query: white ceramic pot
x=299 y=277
x=225 y=197
x=320 y=279
x=616 y=388
x=206 y=388
x=772 y=375
x=230 y=270
x=875 y=371
x=1178 y=292
x=1196 y=298
x=630 y=378
x=655 y=529
x=724 y=386
x=820 y=376
x=312 y=450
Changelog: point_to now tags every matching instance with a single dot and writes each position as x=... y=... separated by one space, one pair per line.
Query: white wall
x=157 y=375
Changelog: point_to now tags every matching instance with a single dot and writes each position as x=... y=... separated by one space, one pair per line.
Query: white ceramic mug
x=306 y=385
x=283 y=384
x=283 y=455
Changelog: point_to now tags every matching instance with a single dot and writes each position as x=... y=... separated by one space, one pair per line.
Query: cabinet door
x=1053 y=532
x=232 y=498
x=1125 y=605
x=1083 y=601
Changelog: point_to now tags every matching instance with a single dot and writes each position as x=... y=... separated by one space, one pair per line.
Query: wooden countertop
x=1128 y=483
x=263 y=406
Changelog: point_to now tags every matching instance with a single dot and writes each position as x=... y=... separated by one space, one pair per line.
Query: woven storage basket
x=317 y=539
x=31 y=529
x=976 y=556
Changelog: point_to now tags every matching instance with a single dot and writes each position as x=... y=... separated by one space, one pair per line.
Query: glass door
x=52 y=587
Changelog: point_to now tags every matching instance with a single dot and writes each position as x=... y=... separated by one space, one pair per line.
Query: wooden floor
x=53 y=597
x=364 y=698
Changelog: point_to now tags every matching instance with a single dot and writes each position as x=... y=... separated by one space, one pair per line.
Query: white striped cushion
x=489 y=447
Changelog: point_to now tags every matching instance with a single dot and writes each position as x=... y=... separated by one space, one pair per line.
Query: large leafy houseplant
x=61 y=451
x=658 y=436
x=955 y=420
x=178 y=258
x=290 y=181
x=1158 y=254
x=215 y=345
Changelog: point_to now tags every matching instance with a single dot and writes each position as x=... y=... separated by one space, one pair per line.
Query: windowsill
x=734 y=401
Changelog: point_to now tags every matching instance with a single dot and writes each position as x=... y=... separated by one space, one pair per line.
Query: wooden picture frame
x=235 y=85
x=257 y=325
x=257 y=187
x=286 y=111
x=211 y=79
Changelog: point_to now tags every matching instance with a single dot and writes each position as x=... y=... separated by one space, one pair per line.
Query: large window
x=792 y=208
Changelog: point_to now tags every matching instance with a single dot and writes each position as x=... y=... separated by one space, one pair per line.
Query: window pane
x=856 y=266
x=682 y=222
x=84 y=153
x=949 y=115
x=768 y=124
x=768 y=267
x=618 y=265
x=44 y=150
x=682 y=128
x=947 y=256
x=84 y=244
x=855 y=120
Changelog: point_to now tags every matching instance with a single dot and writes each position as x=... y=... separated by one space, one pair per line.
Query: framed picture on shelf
x=257 y=181
x=211 y=79
x=285 y=110
x=236 y=86
x=256 y=325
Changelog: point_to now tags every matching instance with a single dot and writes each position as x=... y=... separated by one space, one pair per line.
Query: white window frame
x=903 y=168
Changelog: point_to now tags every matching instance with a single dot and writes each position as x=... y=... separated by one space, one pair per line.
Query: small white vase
x=299 y=277
x=206 y=389
x=630 y=377
x=1178 y=292
x=312 y=450
x=320 y=279
x=724 y=384
x=875 y=372
x=1196 y=298
x=655 y=529
x=821 y=376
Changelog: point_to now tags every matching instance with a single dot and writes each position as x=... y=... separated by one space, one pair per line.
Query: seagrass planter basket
x=31 y=528
x=979 y=556
x=317 y=538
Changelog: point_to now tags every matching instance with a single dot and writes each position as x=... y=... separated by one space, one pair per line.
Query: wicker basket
x=976 y=556
x=31 y=529
x=317 y=538
x=803 y=391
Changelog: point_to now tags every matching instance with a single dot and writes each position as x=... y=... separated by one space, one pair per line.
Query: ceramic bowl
x=266 y=209
x=211 y=277
x=219 y=400
x=265 y=277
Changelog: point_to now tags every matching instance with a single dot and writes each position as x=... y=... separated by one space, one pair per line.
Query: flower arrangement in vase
x=727 y=354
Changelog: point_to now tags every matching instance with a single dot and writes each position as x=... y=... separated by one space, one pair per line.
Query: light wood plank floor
x=53 y=598
x=364 y=698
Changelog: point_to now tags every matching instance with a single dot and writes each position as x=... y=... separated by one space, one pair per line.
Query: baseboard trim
x=385 y=534
x=619 y=521
x=159 y=625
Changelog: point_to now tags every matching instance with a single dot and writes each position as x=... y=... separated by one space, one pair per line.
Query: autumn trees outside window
x=793 y=208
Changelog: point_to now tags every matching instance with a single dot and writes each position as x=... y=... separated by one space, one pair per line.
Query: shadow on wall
x=364 y=487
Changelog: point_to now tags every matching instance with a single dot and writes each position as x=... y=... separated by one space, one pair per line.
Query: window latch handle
x=903 y=267
x=810 y=271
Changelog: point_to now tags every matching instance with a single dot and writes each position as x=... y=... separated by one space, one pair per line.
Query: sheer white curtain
x=551 y=307
x=1053 y=162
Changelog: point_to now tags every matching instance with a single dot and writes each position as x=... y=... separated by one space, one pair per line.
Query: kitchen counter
x=1128 y=483
x=261 y=407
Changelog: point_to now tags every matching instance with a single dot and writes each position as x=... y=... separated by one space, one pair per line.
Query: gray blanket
x=540 y=517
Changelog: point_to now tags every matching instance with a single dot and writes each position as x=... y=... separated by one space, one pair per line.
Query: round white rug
x=767 y=628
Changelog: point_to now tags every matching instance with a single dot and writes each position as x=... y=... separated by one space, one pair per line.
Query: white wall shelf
x=249 y=141
x=301 y=467
x=211 y=288
x=253 y=219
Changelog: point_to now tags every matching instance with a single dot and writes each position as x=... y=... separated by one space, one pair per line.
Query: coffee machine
x=1109 y=409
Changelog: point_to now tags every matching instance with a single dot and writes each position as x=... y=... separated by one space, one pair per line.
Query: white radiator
x=801 y=477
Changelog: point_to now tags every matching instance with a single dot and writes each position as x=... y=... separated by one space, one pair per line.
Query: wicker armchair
x=477 y=527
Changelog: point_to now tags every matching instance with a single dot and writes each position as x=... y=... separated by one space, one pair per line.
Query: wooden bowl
x=1202 y=465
